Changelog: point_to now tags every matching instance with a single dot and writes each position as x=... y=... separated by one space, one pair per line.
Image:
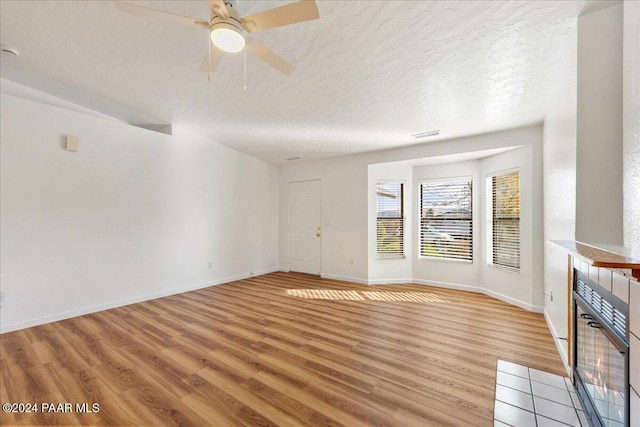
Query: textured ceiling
x=369 y=73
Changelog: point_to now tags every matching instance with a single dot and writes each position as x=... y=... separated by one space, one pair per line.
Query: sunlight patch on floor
x=328 y=294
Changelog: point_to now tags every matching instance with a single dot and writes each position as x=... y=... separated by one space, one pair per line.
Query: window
x=504 y=229
x=446 y=227
x=390 y=219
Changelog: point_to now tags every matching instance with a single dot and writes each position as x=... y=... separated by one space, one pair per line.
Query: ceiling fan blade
x=209 y=65
x=269 y=57
x=219 y=8
x=148 y=12
x=300 y=11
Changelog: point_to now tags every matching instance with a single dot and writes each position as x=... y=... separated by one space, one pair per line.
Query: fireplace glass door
x=601 y=367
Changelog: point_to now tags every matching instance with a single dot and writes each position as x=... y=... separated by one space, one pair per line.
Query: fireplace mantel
x=602 y=255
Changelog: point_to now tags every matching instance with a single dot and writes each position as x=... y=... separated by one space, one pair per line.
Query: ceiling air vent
x=426 y=134
x=293 y=158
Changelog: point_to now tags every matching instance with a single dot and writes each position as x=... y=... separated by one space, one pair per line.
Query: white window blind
x=446 y=223
x=390 y=219
x=505 y=225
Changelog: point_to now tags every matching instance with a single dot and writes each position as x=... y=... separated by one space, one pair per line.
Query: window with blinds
x=390 y=219
x=505 y=220
x=446 y=219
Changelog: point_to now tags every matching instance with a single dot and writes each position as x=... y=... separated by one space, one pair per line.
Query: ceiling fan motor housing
x=227 y=34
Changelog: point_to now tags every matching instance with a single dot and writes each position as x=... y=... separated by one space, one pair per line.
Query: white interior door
x=305 y=233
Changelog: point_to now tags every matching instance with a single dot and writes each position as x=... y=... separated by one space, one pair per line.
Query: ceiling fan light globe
x=228 y=39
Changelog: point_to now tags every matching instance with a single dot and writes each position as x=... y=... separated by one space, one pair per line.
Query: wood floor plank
x=203 y=407
x=215 y=396
x=332 y=405
x=285 y=401
x=281 y=349
x=261 y=411
x=435 y=412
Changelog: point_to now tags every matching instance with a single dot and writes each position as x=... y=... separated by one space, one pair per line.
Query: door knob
x=317 y=234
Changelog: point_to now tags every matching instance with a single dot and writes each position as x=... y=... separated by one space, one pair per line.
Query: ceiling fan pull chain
x=245 y=70
x=209 y=60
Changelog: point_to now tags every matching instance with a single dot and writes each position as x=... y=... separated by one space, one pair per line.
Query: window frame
x=460 y=180
x=402 y=218
x=490 y=202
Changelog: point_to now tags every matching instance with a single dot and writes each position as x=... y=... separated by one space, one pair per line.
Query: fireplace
x=601 y=353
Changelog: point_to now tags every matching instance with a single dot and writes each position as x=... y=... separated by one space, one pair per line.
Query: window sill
x=505 y=269
x=391 y=256
x=433 y=258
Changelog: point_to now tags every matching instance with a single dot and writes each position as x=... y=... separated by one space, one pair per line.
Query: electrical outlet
x=1 y=297
x=551 y=295
x=210 y=265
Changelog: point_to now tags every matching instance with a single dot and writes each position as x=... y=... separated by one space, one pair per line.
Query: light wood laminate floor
x=280 y=349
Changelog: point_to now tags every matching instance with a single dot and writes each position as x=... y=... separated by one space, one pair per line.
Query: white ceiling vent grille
x=426 y=134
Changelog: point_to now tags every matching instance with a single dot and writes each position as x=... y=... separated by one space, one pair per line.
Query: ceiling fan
x=228 y=31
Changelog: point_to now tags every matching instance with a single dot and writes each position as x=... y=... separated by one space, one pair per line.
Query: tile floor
x=526 y=397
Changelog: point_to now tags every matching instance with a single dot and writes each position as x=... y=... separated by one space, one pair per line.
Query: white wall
x=559 y=181
x=599 y=193
x=133 y=215
x=631 y=125
x=348 y=209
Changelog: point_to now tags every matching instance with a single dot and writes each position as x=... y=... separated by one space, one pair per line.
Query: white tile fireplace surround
x=616 y=271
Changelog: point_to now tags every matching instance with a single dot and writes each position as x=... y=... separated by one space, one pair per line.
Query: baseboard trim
x=561 y=348
x=128 y=301
x=456 y=286
x=448 y=285
x=529 y=307
x=389 y=281
x=481 y=290
x=345 y=278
